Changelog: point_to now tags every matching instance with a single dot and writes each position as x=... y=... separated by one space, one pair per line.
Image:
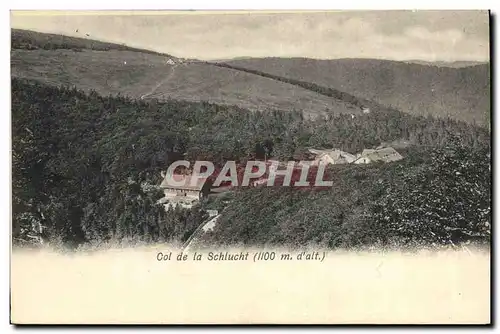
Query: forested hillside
x=118 y=69
x=314 y=87
x=85 y=168
x=431 y=198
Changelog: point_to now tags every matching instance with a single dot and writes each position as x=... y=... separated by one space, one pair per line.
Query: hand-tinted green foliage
x=85 y=167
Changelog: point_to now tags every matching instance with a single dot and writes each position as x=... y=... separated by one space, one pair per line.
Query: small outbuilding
x=386 y=154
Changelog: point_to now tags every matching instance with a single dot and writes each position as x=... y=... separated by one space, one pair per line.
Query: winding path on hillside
x=166 y=79
x=355 y=101
x=325 y=91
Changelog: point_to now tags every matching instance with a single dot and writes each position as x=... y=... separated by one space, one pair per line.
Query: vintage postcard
x=250 y=167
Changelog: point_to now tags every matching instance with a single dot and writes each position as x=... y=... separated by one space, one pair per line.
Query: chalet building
x=386 y=154
x=332 y=156
x=212 y=213
x=188 y=191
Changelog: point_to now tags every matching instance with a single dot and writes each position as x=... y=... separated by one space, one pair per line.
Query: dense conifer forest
x=86 y=169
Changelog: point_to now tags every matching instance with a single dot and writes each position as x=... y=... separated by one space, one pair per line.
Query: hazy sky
x=399 y=35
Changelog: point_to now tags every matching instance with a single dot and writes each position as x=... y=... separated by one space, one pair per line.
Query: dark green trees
x=447 y=201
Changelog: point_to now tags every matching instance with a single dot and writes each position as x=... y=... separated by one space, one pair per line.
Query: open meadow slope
x=144 y=74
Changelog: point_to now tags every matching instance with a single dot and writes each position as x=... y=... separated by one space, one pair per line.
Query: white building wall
x=363 y=160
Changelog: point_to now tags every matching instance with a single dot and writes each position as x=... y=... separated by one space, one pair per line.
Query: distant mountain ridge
x=32 y=40
x=453 y=64
x=460 y=93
